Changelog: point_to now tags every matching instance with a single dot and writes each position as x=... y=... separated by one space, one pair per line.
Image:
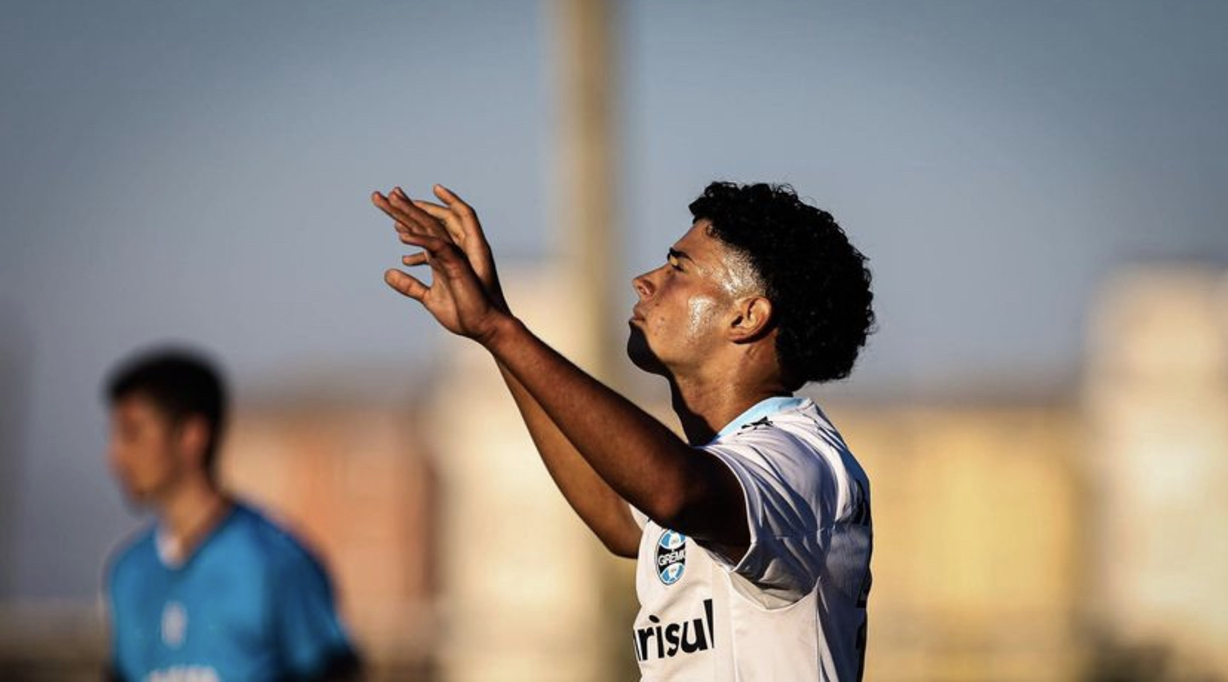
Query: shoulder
x=795 y=438
x=792 y=455
x=278 y=547
x=273 y=537
x=132 y=554
x=130 y=563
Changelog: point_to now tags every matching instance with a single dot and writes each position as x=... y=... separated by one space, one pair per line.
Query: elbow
x=693 y=502
x=683 y=497
x=625 y=547
x=669 y=507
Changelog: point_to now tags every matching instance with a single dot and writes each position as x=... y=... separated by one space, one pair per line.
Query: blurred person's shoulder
x=271 y=538
x=133 y=556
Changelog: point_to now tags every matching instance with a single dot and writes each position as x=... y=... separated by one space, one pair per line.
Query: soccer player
x=753 y=535
x=212 y=591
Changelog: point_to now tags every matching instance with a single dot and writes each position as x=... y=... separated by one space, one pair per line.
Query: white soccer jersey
x=794 y=606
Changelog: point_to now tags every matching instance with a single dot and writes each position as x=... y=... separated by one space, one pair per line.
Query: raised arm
x=604 y=511
x=640 y=459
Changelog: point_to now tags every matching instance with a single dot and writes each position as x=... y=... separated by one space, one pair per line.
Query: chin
x=138 y=496
x=137 y=501
x=641 y=355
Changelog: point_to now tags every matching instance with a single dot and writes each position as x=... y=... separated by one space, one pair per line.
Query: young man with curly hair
x=753 y=535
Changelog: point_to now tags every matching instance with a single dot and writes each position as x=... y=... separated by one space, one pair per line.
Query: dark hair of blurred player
x=168 y=412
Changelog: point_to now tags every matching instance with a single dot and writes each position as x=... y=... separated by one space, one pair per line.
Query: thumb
x=406 y=284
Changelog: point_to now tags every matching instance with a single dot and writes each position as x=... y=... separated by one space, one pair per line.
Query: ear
x=753 y=320
x=193 y=438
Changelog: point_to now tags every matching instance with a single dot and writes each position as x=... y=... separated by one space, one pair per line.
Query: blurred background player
x=212 y=590
x=753 y=535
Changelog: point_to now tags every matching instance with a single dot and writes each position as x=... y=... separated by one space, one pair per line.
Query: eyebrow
x=675 y=253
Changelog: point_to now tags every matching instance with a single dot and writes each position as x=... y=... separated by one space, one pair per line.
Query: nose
x=643 y=285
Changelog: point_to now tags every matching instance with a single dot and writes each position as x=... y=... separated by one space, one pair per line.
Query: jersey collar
x=761 y=409
x=167 y=549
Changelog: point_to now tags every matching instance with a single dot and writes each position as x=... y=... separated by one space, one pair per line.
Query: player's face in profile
x=683 y=305
x=142 y=449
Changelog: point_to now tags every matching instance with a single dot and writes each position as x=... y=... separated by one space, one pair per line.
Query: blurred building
x=1078 y=537
x=978 y=523
x=1157 y=419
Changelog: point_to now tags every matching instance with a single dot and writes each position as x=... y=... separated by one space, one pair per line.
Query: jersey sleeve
x=122 y=579
x=788 y=491
x=311 y=637
x=112 y=672
x=640 y=518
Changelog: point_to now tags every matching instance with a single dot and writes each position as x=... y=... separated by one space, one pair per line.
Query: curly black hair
x=817 y=281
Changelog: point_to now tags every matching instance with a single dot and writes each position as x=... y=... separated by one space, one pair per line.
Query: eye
x=673 y=262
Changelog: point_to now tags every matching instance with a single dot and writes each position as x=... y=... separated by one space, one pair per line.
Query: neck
x=704 y=408
x=190 y=512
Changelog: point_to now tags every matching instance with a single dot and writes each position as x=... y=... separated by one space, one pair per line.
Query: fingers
x=397 y=205
x=456 y=220
x=464 y=213
x=405 y=284
x=403 y=231
x=449 y=235
x=458 y=216
x=382 y=203
x=435 y=246
x=453 y=200
x=401 y=200
x=435 y=210
x=449 y=219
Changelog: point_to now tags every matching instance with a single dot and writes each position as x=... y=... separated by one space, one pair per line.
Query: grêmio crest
x=671 y=556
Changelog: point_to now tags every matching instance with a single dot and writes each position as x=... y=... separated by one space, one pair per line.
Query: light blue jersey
x=250 y=605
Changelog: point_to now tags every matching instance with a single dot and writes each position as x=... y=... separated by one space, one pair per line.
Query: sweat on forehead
x=740 y=277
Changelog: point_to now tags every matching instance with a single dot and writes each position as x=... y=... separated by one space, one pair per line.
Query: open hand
x=457 y=218
x=464 y=294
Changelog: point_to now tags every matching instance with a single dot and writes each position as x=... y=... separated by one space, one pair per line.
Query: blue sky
x=199 y=171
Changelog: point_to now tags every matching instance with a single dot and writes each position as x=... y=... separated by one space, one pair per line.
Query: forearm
x=639 y=459
x=636 y=456
x=602 y=509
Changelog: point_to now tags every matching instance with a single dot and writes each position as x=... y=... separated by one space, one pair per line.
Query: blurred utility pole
x=550 y=608
x=587 y=178
x=588 y=195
